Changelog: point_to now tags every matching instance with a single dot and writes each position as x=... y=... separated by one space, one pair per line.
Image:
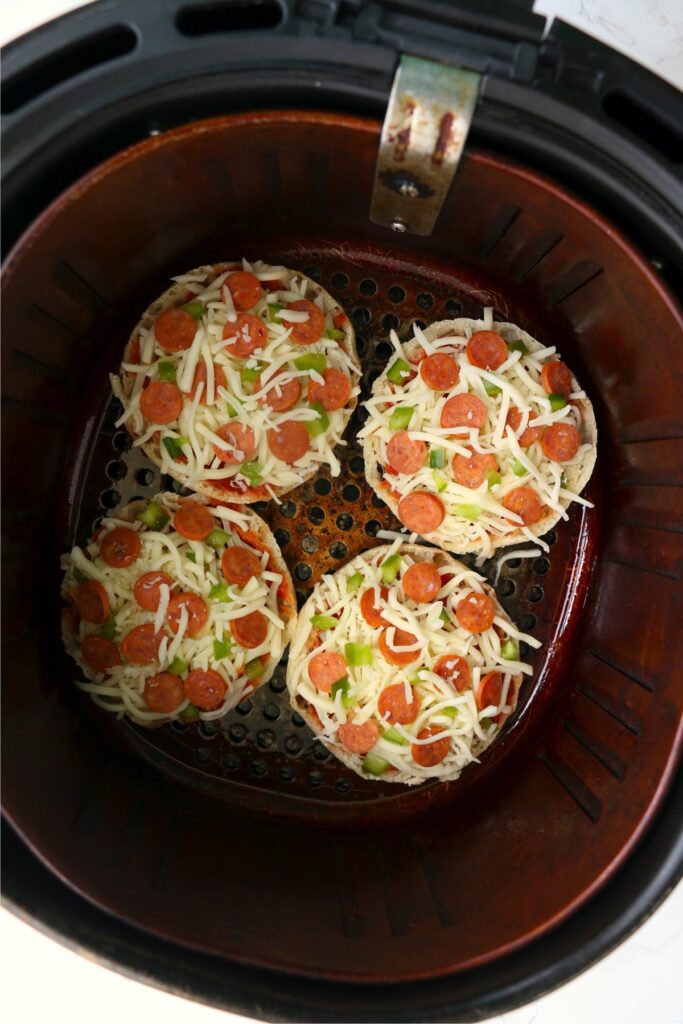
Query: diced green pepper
x=444 y=616
x=358 y=655
x=343 y=685
x=557 y=402
x=173 y=445
x=510 y=650
x=231 y=410
x=353 y=582
x=108 y=629
x=195 y=308
x=485 y=722
x=252 y=471
x=389 y=568
x=375 y=765
x=273 y=310
x=415 y=678
x=334 y=334
x=394 y=736
x=491 y=389
x=440 y=481
x=471 y=512
x=320 y=424
x=517 y=468
x=248 y=374
x=166 y=370
x=218 y=538
x=398 y=370
x=79 y=576
x=449 y=712
x=437 y=458
x=177 y=666
x=221 y=649
x=401 y=417
x=255 y=668
x=324 y=621
x=518 y=346
x=189 y=714
x=493 y=478
x=190 y=556
x=219 y=592
x=311 y=361
x=563 y=479
x=154 y=516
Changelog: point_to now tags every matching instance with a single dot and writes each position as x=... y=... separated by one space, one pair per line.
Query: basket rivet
x=409 y=189
x=398 y=225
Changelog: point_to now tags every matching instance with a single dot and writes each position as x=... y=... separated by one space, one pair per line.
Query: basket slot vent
x=603 y=754
x=581 y=794
x=616 y=708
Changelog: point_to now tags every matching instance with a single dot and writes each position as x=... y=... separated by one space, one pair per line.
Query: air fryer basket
x=244 y=843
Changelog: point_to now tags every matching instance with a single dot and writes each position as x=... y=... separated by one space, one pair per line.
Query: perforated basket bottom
x=319 y=526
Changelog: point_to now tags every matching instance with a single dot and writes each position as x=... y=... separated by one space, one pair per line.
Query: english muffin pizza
x=478 y=436
x=405 y=665
x=176 y=609
x=239 y=380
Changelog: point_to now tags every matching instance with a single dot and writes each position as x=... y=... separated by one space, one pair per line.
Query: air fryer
x=238 y=862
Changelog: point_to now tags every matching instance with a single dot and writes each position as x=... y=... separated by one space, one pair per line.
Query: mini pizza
x=405 y=665
x=239 y=381
x=478 y=436
x=176 y=609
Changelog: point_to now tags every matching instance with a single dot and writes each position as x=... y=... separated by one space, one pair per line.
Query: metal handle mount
x=423 y=136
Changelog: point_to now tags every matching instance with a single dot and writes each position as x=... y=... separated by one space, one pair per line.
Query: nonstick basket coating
x=246 y=839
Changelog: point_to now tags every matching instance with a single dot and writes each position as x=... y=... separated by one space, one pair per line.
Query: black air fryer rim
x=600 y=161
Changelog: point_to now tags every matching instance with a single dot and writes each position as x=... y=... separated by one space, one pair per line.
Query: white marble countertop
x=639 y=983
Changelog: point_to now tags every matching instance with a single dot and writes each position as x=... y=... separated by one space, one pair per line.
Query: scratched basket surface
x=246 y=837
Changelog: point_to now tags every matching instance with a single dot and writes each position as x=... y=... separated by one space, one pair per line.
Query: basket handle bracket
x=424 y=132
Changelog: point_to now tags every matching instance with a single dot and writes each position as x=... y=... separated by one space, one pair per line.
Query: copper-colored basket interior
x=246 y=838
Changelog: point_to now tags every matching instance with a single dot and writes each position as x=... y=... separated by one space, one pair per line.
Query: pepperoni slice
x=240 y=564
x=281 y=395
x=525 y=502
x=560 y=441
x=471 y=472
x=487 y=350
x=334 y=393
x=401 y=639
x=200 y=377
x=404 y=454
x=439 y=371
x=146 y=589
x=250 y=630
x=205 y=688
x=100 y=654
x=163 y=693
x=92 y=602
x=427 y=755
x=422 y=582
x=289 y=442
x=339 y=319
x=120 y=547
x=475 y=613
x=174 y=330
x=556 y=379
x=325 y=669
x=530 y=434
x=455 y=670
x=358 y=739
x=141 y=645
x=464 y=410
x=250 y=333
x=310 y=330
x=193 y=521
x=395 y=708
x=421 y=512
x=197 y=612
x=490 y=690
x=370 y=610
x=245 y=289
x=242 y=440
x=161 y=402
